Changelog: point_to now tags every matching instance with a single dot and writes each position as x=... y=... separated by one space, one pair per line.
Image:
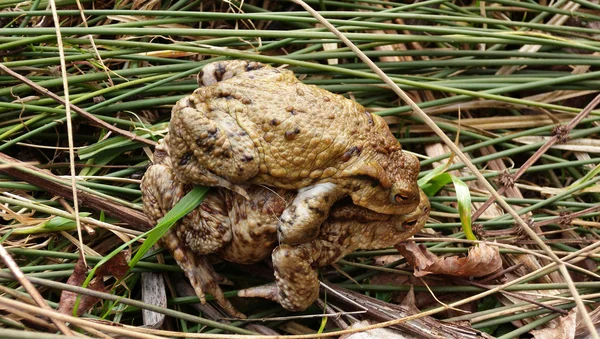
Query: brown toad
x=244 y=231
x=250 y=123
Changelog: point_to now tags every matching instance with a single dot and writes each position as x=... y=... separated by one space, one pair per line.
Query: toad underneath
x=250 y=123
x=244 y=231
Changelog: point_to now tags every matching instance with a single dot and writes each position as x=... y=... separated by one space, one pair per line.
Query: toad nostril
x=404 y=197
x=400 y=198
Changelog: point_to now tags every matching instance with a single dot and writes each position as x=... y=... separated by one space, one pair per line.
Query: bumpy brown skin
x=347 y=229
x=244 y=231
x=254 y=124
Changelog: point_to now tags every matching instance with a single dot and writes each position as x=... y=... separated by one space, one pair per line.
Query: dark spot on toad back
x=253 y=66
x=354 y=150
x=274 y=122
x=247 y=158
x=291 y=110
x=208 y=144
x=291 y=134
x=185 y=159
x=212 y=132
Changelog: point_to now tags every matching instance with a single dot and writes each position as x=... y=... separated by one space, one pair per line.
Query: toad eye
x=409 y=224
x=373 y=182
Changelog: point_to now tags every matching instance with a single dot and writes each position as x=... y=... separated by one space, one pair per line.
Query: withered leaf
x=480 y=261
x=68 y=299
x=115 y=266
x=564 y=328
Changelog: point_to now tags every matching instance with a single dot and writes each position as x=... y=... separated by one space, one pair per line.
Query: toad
x=250 y=123
x=244 y=231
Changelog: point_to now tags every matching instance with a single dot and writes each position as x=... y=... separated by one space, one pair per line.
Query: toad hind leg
x=203 y=277
x=300 y=222
x=162 y=191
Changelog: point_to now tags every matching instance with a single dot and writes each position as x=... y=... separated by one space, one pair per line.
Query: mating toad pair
x=304 y=175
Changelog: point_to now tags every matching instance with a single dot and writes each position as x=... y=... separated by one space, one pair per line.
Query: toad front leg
x=296 y=282
x=207 y=145
x=300 y=222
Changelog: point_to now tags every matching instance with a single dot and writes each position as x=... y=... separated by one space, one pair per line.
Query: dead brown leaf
x=480 y=261
x=115 y=266
x=68 y=299
x=423 y=299
x=563 y=327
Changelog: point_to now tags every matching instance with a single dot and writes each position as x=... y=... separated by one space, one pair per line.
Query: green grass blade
x=183 y=207
x=463 y=197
